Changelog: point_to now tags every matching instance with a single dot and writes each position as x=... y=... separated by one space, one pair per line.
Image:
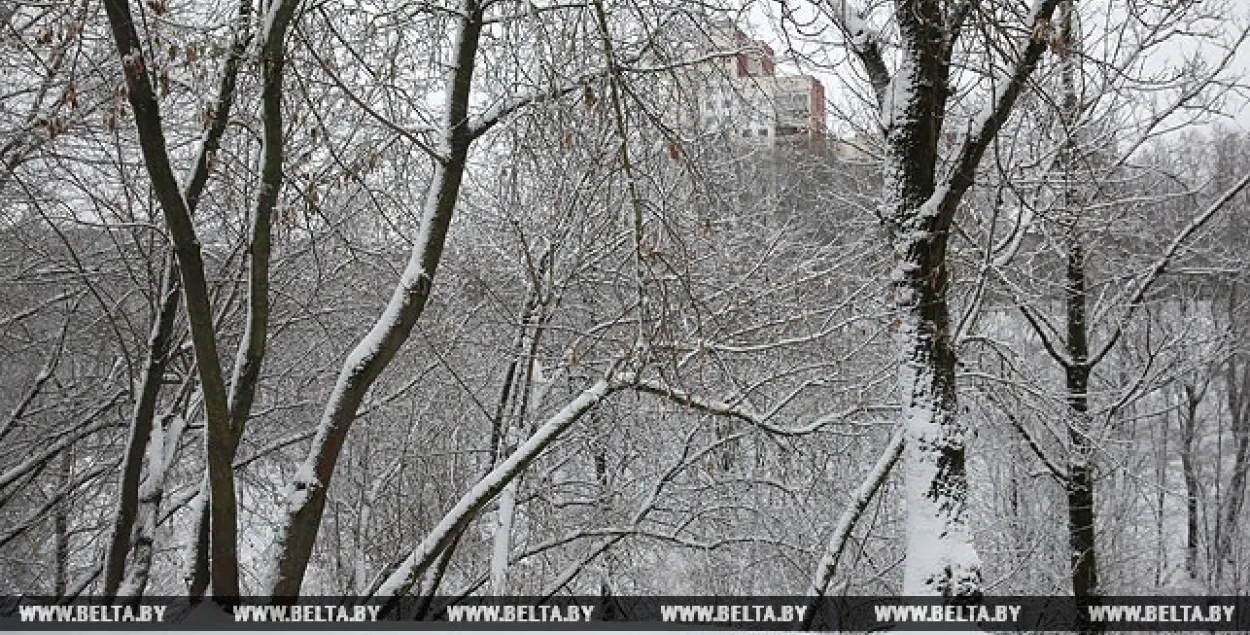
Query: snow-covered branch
x=306 y=494
x=412 y=568
x=1003 y=93
x=850 y=515
x=57 y=498
x=740 y=412
x=864 y=41
x=1033 y=444
x=1043 y=328
x=1160 y=266
x=92 y=423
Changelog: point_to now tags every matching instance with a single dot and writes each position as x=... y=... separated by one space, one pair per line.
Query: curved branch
x=725 y=409
x=846 y=522
x=1156 y=271
x=424 y=554
x=864 y=42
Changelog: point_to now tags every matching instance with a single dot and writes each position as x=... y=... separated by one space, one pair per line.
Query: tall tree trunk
x=1160 y=444
x=501 y=548
x=918 y=215
x=142 y=97
x=1189 y=468
x=1233 y=515
x=604 y=508
x=60 y=522
x=160 y=456
x=251 y=352
x=306 y=494
x=159 y=343
x=940 y=557
x=1237 y=386
x=522 y=392
x=1080 y=481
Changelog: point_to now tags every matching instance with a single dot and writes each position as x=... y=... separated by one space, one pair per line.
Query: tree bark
x=918 y=214
x=1237 y=385
x=60 y=521
x=1189 y=468
x=1080 y=482
x=121 y=540
x=160 y=455
x=159 y=343
x=224 y=563
x=306 y=494
x=251 y=352
x=940 y=557
x=1079 y=485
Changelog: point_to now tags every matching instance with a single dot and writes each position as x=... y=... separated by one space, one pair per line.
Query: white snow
x=939 y=550
x=301 y=486
x=857 y=30
x=901 y=95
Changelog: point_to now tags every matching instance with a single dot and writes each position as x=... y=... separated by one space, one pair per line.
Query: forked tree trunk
x=251 y=352
x=161 y=453
x=918 y=210
x=148 y=122
x=159 y=343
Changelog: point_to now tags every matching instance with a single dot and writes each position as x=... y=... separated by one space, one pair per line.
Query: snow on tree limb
x=864 y=41
x=1161 y=265
x=850 y=515
x=306 y=494
x=744 y=414
x=411 y=135
x=484 y=490
x=1003 y=93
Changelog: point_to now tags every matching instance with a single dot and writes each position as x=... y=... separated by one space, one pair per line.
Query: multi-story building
x=740 y=94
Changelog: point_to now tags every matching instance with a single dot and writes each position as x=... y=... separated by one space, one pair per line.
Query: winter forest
x=384 y=298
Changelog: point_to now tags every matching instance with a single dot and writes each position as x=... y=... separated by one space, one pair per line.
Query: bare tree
x=918 y=209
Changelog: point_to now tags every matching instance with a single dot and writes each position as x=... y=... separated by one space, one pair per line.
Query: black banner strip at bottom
x=999 y=613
